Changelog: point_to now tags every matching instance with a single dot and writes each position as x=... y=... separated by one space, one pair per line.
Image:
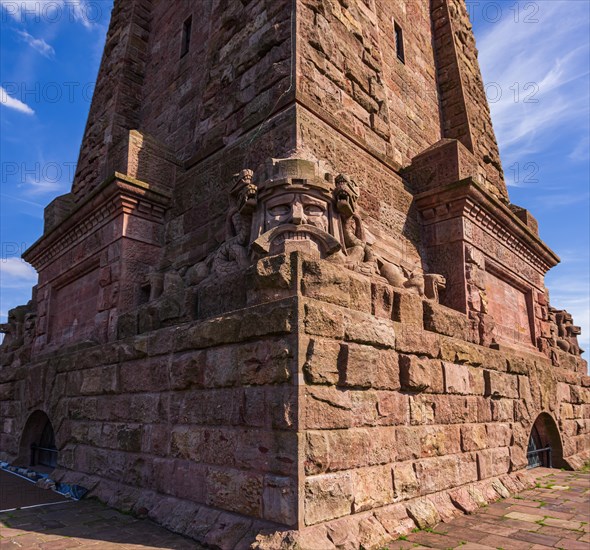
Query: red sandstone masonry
x=304 y=398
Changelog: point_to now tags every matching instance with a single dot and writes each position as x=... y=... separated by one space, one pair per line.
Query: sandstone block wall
x=344 y=408
x=317 y=391
x=117 y=97
x=464 y=107
x=400 y=405
x=196 y=414
x=348 y=67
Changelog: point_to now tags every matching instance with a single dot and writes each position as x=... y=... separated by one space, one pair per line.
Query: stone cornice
x=467 y=199
x=119 y=194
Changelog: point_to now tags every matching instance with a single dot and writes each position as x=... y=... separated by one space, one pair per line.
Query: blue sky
x=535 y=62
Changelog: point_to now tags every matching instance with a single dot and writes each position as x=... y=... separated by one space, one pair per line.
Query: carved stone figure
x=30 y=323
x=566 y=337
x=360 y=256
x=295 y=209
x=233 y=253
x=296 y=213
x=18 y=326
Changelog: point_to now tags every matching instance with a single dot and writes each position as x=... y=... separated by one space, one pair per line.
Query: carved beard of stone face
x=297 y=221
x=297 y=209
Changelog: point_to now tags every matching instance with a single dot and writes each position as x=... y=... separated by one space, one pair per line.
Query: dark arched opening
x=37 y=445
x=544 y=448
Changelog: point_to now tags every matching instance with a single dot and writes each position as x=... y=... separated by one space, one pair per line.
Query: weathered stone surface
x=327 y=497
x=493 y=462
x=223 y=485
x=405 y=482
x=280 y=500
x=436 y=474
x=457 y=379
x=463 y=500
x=409 y=340
x=373 y=488
x=475 y=437
x=322 y=362
x=367 y=367
x=372 y=331
x=423 y=512
x=408 y=309
x=501 y=385
x=332 y=450
x=395 y=519
x=446 y=321
x=419 y=374
x=299 y=309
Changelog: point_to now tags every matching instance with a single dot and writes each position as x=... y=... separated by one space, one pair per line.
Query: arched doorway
x=544 y=447
x=37 y=448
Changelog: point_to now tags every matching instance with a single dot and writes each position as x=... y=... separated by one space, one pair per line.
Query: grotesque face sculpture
x=297 y=217
x=346 y=195
x=244 y=192
x=297 y=209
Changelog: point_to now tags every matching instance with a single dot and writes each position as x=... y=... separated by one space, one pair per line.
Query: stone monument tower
x=287 y=300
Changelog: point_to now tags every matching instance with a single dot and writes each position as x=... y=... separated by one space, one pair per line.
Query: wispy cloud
x=51 y=10
x=36 y=186
x=552 y=201
x=37 y=44
x=13 y=103
x=82 y=12
x=537 y=90
x=581 y=152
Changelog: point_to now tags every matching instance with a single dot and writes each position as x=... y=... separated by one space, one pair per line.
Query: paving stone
x=563 y=524
x=568 y=544
x=531 y=518
x=535 y=538
x=496 y=541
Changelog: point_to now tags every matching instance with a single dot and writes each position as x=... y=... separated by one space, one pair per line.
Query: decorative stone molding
x=467 y=199
x=119 y=194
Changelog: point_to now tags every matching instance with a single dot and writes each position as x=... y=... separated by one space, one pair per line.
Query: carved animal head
x=574 y=330
x=245 y=192
x=346 y=195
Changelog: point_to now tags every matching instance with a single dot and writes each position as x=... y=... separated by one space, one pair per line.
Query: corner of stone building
x=295 y=342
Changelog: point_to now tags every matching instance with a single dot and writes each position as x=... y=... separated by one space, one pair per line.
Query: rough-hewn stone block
x=367 y=367
x=446 y=321
x=419 y=374
x=457 y=379
x=501 y=385
x=327 y=497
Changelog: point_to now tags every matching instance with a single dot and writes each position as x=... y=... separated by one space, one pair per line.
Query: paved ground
x=16 y=492
x=553 y=515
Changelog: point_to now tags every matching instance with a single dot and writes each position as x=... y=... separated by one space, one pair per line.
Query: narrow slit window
x=399 y=42
x=186 y=36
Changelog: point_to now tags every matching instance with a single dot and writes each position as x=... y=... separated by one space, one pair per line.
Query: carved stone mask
x=297 y=218
x=297 y=209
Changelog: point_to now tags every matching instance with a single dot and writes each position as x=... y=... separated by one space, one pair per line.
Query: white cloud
x=542 y=72
x=39 y=186
x=558 y=200
x=13 y=103
x=51 y=11
x=82 y=12
x=37 y=44
x=16 y=273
